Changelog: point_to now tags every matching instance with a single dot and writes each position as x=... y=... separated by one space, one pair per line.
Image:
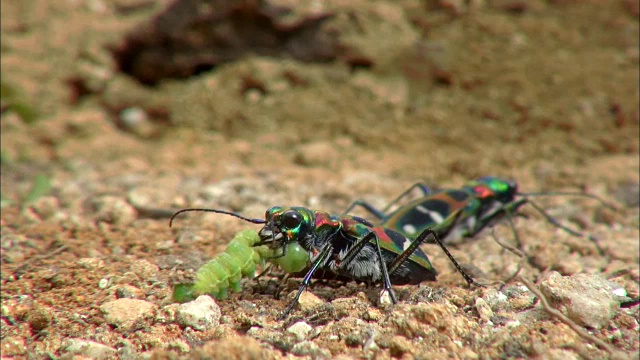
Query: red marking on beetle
x=325 y=219
x=483 y=191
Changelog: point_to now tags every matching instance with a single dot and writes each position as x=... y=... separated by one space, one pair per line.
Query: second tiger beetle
x=481 y=203
x=348 y=246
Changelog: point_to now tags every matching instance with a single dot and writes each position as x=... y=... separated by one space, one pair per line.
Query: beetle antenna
x=557 y=224
x=568 y=193
x=254 y=221
x=553 y=221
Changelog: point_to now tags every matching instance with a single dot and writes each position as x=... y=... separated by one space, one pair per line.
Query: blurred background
x=112 y=108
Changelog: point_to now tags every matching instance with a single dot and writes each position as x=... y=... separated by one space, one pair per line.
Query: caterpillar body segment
x=239 y=260
x=183 y=293
x=295 y=260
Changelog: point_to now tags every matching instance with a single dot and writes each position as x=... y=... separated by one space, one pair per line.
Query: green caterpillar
x=239 y=260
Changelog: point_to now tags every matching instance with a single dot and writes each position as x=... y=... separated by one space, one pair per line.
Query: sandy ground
x=544 y=93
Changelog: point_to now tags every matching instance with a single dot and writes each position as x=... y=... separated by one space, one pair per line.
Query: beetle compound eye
x=271 y=211
x=291 y=219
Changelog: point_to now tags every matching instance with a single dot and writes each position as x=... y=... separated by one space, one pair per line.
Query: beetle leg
x=357 y=247
x=307 y=278
x=383 y=214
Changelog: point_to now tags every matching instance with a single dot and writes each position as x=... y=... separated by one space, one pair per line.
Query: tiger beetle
x=482 y=202
x=348 y=246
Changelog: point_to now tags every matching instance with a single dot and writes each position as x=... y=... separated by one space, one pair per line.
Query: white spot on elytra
x=437 y=218
x=406 y=244
x=422 y=209
x=409 y=229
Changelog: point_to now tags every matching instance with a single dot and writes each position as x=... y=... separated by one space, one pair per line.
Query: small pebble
x=484 y=310
x=136 y=120
x=104 y=283
x=167 y=314
x=144 y=269
x=13 y=346
x=561 y=354
x=113 y=210
x=232 y=348
x=308 y=348
x=300 y=329
x=321 y=153
x=385 y=298
x=129 y=292
x=355 y=339
x=127 y=351
x=179 y=345
x=273 y=337
x=520 y=298
x=468 y=354
x=46 y=207
x=90 y=349
x=125 y=313
x=139 y=198
x=201 y=314
x=496 y=299
x=587 y=299
x=370 y=345
x=628 y=193
x=399 y=346
x=133 y=116
x=373 y=315
x=308 y=301
x=349 y=306
x=13 y=256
